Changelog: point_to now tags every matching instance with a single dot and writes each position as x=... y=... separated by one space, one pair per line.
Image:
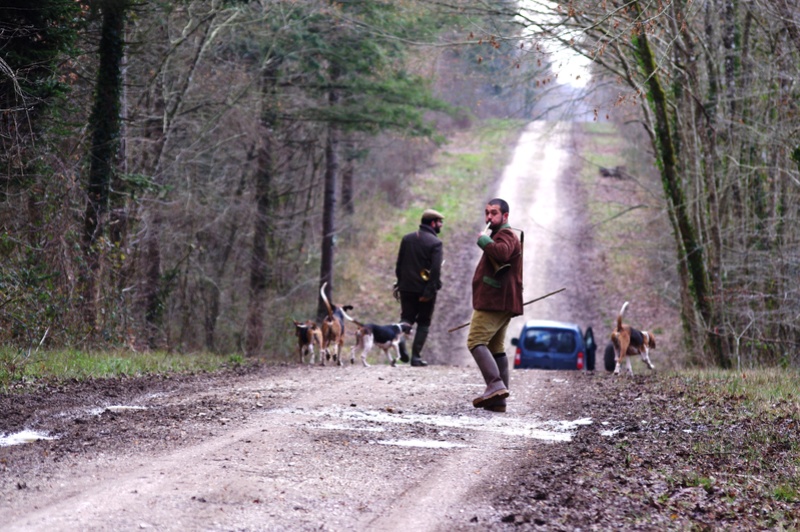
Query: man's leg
x=495 y=388
x=487 y=329
x=408 y=314
x=403 y=351
x=497 y=347
x=499 y=405
x=424 y=318
x=416 y=348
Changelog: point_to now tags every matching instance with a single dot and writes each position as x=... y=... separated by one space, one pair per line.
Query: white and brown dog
x=308 y=335
x=332 y=329
x=630 y=342
x=386 y=337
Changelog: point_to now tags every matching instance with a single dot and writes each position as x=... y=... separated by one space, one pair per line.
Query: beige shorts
x=488 y=328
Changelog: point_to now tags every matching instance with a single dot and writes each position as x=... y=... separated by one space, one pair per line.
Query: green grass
x=786 y=493
x=463 y=174
x=600 y=128
x=748 y=437
x=762 y=391
x=82 y=365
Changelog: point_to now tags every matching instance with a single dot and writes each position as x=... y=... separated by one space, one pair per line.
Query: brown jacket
x=501 y=291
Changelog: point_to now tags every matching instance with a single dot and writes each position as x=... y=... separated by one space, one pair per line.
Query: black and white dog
x=387 y=337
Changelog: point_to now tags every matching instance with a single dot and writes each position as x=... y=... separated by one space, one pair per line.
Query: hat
x=430 y=214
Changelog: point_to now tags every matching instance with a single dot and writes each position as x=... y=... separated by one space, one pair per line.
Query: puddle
x=25 y=436
x=348 y=427
x=543 y=430
x=116 y=408
x=428 y=444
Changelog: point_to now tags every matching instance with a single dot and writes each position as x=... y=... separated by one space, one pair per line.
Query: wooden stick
x=527 y=303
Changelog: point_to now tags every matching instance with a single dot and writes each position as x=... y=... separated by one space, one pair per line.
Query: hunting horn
x=425 y=273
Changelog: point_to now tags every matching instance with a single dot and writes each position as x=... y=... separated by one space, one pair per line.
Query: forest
x=176 y=174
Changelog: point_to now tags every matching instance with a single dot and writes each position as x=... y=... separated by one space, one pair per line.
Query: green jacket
x=420 y=250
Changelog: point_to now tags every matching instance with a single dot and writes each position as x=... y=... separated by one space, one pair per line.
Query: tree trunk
x=329 y=217
x=154 y=305
x=348 y=174
x=329 y=205
x=692 y=249
x=105 y=124
x=259 y=263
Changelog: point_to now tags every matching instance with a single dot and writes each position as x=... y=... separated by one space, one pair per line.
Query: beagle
x=332 y=329
x=630 y=342
x=384 y=336
x=308 y=335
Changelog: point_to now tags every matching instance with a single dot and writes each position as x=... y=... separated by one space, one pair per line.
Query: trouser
x=413 y=311
x=488 y=328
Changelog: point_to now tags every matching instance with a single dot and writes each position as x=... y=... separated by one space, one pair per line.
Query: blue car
x=545 y=344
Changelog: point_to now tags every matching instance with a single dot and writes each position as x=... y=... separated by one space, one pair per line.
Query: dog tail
x=348 y=317
x=621 y=314
x=325 y=299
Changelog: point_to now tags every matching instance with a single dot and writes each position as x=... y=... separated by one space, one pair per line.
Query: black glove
x=396 y=292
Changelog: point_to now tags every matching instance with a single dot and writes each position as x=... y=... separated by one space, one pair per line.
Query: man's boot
x=403 y=351
x=416 y=348
x=499 y=404
x=495 y=387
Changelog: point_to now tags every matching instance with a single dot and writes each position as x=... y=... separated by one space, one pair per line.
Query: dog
x=387 y=337
x=308 y=335
x=332 y=329
x=628 y=341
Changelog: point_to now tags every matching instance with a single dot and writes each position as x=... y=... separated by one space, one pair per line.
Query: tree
x=341 y=66
x=105 y=125
x=262 y=227
x=712 y=82
x=366 y=89
x=36 y=38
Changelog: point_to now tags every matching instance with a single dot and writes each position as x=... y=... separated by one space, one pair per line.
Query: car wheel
x=609 y=358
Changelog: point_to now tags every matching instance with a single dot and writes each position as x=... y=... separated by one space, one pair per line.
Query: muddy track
x=283 y=448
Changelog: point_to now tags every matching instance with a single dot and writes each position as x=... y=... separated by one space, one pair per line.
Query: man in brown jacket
x=496 y=298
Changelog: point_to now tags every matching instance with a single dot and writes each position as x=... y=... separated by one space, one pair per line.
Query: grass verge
x=81 y=365
x=744 y=445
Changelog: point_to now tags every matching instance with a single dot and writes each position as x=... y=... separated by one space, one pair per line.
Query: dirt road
x=548 y=204
x=327 y=448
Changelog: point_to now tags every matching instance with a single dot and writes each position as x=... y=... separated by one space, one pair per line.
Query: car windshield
x=554 y=340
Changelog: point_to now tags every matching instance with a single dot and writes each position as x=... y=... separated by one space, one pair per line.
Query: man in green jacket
x=496 y=298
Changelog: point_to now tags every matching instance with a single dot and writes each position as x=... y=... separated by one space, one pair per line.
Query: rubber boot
x=403 y=351
x=495 y=387
x=499 y=404
x=416 y=348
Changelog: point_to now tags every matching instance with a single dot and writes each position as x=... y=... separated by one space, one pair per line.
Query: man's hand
x=424 y=299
